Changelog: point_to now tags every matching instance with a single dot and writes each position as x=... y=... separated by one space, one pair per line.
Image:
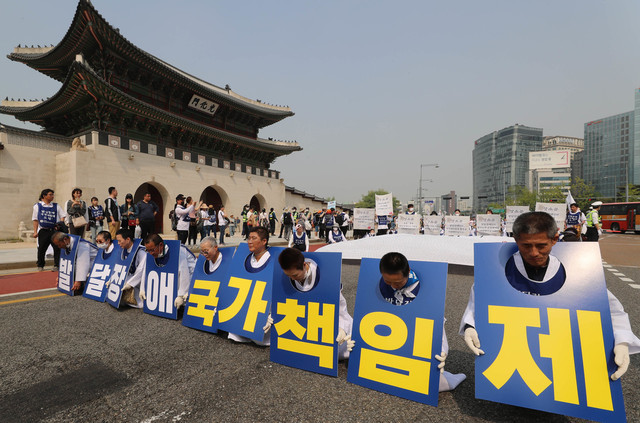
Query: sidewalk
x=20 y=257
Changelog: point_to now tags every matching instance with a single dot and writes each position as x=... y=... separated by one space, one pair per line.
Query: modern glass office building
x=501 y=160
x=609 y=150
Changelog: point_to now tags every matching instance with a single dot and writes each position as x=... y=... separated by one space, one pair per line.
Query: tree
x=368 y=200
x=581 y=191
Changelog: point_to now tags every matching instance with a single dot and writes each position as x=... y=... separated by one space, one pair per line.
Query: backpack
x=339 y=220
x=287 y=219
x=174 y=220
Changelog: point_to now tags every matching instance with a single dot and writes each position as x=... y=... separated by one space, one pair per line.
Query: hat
x=597 y=204
x=204 y=206
x=179 y=197
x=335 y=226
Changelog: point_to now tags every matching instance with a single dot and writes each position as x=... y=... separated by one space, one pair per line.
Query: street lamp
x=615 y=187
x=626 y=185
x=436 y=165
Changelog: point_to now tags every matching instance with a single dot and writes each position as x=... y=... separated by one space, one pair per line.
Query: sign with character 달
x=395 y=345
x=551 y=352
x=103 y=266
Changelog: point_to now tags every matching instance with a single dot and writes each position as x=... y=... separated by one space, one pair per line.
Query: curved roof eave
x=67 y=90
x=205 y=88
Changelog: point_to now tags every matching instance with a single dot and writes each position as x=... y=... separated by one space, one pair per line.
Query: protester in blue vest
x=46 y=215
x=575 y=219
x=154 y=245
x=135 y=273
x=96 y=218
x=85 y=256
x=328 y=221
x=258 y=242
x=299 y=240
x=335 y=235
x=303 y=273
x=534 y=270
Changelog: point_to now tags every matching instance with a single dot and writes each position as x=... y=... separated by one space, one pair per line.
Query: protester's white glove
x=472 y=341
x=126 y=286
x=266 y=327
x=107 y=283
x=441 y=358
x=186 y=297
x=143 y=296
x=179 y=301
x=621 y=357
x=342 y=336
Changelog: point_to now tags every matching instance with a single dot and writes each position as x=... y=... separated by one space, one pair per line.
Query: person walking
x=222 y=224
x=112 y=212
x=77 y=213
x=46 y=215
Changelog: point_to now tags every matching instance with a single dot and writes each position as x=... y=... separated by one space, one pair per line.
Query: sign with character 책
x=121 y=269
x=395 y=345
x=306 y=323
x=245 y=297
x=547 y=352
x=66 y=270
x=103 y=266
x=161 y=282
x=204 y=293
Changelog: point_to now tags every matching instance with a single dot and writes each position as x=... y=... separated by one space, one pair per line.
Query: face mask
x=410 y=209
x=102 y=246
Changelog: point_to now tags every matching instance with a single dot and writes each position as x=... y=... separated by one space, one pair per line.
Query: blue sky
x=377 y=87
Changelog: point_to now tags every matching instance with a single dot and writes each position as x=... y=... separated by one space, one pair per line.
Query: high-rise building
x=501 y=160
x=609 y=150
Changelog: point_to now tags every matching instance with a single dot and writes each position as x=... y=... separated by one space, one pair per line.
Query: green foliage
x=582 y=192
x=368 y=200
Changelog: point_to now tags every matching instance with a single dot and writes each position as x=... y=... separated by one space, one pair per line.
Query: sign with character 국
x=161 y=282
x=306 y=323
x=103 y=266
x=121 y=269
x=204 y=293
x=395 y=345
x=547 y=352
x=245 y=297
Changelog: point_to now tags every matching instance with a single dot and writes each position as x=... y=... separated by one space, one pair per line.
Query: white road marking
x=633 y=285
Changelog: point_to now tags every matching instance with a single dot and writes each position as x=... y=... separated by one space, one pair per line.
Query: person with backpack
x=272 y=222
x=287 y=222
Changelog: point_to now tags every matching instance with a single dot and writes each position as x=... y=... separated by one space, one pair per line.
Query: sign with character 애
x=547 y=352
x=395 y=345
x=161 y=283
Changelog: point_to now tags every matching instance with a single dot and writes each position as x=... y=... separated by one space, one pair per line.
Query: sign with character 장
x=121 y=268
x=547 y=352
x=245 y=298
x=395 y=346
x=204 y=293
x=306 y=323
x=103 y=266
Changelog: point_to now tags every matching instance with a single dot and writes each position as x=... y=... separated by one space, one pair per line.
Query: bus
x=621 y=217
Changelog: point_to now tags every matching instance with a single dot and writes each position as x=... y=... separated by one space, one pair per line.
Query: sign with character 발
x=204 y=293
x=245 y=297
x=395 y=345
x=306 y=323
x=161 y=282
x=103 y=266
x=121 y=269
x=67 y=268
x=547 y=352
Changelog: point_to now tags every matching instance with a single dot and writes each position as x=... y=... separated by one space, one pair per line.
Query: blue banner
x=67 y=268
x=547 y=352
x=395 y=345
x=120 y=271
x=306 y=323
x=245 y=298
x=161 y=286
x=204 y=290
x=103 y=265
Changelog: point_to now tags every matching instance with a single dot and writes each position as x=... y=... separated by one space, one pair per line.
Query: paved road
x=72 y=359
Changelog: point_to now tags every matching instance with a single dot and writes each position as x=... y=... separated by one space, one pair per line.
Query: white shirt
x=62 y=215
x=213 y=265
x=85 y=256
x=186 y=266
x=221 y=218
x=183 y=212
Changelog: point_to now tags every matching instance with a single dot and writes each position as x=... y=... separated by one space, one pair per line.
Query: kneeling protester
x=212 y=267
x=102 y=269
x=168 y=271
x=76 y=258
x=399 y=337
x=311 y=321
x=128 y=271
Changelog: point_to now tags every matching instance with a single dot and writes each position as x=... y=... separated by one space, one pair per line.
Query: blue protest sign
x=204 y=290
x=395 y=345
x=306 y=323
x=245 y=298
x=66 y=270
x=161 y=282
x=549 y=352
x=121 y=269
x=103 y=265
